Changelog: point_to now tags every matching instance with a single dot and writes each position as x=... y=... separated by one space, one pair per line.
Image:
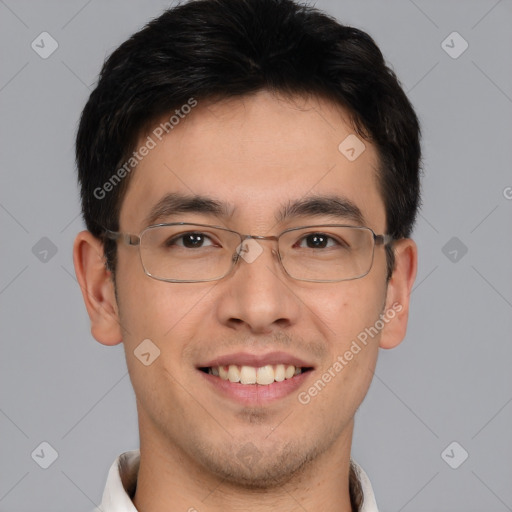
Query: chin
x=246 y=466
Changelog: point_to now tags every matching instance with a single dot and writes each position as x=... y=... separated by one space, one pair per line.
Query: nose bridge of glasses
x=245 y=238
x=260 y=237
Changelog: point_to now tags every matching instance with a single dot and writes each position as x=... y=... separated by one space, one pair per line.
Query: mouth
x=255 y=380
x=253 y=375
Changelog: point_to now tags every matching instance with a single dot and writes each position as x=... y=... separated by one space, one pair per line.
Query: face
x=256 y=156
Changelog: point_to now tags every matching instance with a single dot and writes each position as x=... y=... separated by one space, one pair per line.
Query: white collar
x=122 y=480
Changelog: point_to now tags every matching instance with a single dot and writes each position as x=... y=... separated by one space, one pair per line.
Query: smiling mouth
x=250 y=375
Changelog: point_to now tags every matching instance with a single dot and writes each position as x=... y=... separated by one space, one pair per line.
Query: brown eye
x=192 y=240
x=317 y=241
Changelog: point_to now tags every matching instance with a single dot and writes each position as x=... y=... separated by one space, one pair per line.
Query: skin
x=256 y=153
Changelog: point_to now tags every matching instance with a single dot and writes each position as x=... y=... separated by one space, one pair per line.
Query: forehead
x=256 y=155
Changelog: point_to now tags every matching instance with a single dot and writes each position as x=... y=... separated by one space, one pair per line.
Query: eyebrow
x=175 y=203
x=323 y=205
x=335 y=206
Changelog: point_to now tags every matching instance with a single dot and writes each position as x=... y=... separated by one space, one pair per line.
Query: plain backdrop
x=448 y=382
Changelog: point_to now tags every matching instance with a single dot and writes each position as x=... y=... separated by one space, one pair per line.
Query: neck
x=169 y=479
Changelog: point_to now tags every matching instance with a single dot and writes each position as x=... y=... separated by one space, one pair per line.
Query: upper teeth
x=252 y=375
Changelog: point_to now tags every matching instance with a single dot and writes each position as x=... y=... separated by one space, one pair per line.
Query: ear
x=399 y=292
x=97 y=288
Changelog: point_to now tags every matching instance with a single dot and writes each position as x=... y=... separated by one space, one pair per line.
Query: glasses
x=182 y=252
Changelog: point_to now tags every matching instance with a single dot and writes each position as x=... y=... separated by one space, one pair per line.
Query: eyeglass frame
x=135 y=240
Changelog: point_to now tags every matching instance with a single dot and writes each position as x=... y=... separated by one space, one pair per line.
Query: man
x=249 y=355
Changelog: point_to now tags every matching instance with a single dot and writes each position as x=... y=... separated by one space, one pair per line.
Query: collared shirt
x=122 y=480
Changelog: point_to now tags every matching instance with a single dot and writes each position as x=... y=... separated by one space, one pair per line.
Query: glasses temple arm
x=124 y=237
x=383 y=239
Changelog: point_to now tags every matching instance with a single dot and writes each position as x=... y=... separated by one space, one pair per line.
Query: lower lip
x=256 y=394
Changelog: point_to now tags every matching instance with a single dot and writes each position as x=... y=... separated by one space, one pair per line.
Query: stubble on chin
x=252 y=466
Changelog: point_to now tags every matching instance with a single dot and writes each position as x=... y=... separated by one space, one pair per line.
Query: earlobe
x=398 y=293
x=97 y=288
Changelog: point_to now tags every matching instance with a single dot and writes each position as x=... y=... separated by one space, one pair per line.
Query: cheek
x=346 y=319
x=169 y=314
x=346 y=309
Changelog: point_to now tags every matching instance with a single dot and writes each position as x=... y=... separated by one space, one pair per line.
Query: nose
x=257 y=296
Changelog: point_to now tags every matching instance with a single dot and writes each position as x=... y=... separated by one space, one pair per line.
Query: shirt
x=122 y=480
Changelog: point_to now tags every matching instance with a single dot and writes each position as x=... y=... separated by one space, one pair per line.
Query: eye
x=318 y=241
x=191 y=240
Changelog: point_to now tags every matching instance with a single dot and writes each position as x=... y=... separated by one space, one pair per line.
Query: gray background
x=449 y=381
